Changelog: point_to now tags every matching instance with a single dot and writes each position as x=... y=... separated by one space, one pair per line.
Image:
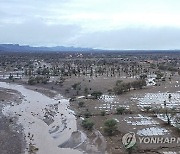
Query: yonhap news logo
x=130 y=139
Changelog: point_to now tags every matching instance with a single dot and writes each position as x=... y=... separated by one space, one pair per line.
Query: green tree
x=31 y=81
x=96 y=94
x=138 y=84
x=121 y=87
x=120 y=110
x=110 y=126
x=103 y=113
x=87 y=124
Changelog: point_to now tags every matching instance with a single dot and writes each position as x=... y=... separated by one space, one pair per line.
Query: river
x=47 y=122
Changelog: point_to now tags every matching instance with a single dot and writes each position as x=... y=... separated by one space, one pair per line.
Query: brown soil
x=11 y=134
x=114 y=144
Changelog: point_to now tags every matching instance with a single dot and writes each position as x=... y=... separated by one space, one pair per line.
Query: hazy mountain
x=26 y=48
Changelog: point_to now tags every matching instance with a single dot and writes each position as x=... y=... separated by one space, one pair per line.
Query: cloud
x=93 y=15
x=115 y=24
x=133 y=38
x=38 y=33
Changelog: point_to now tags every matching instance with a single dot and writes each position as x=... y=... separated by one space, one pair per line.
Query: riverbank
x=11 y=134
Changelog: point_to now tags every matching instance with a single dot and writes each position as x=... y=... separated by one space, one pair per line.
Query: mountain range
x=27 y=48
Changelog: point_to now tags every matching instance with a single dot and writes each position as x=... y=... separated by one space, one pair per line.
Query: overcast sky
x=106 y=24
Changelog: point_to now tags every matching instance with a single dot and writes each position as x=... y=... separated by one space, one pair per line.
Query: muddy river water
x=47 y=122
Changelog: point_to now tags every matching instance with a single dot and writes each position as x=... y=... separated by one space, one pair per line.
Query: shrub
x=118 y=82
x=138 y=84
x=31 y=81
x=110 y=126
x=86 y=92
x=103 y=113
x=81 y=104
x=122 y=87
x=67 y=90
x=110 y=91
x=96 y=94
x=11 y=77
x=159 y=75
x=45 y=80
x=87 y=124
x=120 y=110
x=76 y=85
x=87 y=114
x=143 y=76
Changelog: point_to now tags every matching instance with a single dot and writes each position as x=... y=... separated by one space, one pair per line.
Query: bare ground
x=11 y=136
x=114 y=144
